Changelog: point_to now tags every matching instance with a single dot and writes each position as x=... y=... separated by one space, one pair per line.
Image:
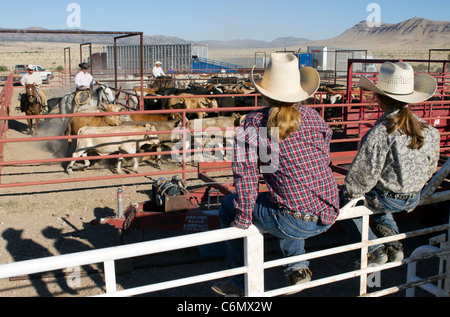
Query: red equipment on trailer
x=191 y=211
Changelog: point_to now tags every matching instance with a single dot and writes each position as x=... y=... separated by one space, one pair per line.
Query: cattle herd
x=136 y=132
x=131 y=133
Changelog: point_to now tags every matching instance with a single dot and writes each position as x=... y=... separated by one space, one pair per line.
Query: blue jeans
x=381 y=202
x=269 y=218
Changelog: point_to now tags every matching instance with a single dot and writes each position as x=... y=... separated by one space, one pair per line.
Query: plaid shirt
x=296 y=170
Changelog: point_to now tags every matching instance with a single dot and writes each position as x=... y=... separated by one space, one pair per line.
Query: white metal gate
x=254 y=259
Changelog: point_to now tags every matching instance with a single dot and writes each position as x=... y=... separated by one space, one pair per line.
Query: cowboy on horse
x=33 y=101
x=160 y=79
x=31 y=78
x=84 y=81
x=158 y=72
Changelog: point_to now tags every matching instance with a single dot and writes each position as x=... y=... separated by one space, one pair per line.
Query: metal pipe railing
x=6 y=95
x=253 y=270
x=347 y=123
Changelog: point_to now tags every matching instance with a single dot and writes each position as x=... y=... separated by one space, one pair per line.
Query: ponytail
x=283 y=116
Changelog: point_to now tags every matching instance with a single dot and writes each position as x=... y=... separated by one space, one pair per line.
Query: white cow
x=212 y=140
x=107 y=145
x=212 y=135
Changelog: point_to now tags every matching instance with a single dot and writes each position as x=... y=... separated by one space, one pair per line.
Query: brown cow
x=76 y=123
x=185 y=101
x=153 y=117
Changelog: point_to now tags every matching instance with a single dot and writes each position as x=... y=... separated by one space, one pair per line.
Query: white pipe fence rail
x=254 y=260
x=254 y=256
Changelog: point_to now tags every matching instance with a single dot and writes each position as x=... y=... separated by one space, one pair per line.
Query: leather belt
x=400 y=196
x=299 y=216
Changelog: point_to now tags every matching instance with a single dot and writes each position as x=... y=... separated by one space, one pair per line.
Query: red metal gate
x=350 y=121
x=5 y=104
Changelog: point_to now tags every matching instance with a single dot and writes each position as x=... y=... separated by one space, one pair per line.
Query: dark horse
x=31 y=105
x=161 y=82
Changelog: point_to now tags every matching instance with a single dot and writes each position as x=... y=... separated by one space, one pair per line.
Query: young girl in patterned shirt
x=396 y=157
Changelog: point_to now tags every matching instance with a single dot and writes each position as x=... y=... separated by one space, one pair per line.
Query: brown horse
x=161 y=82
x=32 y=107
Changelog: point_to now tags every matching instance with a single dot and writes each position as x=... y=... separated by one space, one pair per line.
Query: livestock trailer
x=172 y=56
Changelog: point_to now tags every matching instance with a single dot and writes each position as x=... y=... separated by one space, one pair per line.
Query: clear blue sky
x=198 y=20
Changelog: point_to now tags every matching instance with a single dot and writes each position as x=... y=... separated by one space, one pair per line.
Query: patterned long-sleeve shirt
x=296 y=170
x=385 y=162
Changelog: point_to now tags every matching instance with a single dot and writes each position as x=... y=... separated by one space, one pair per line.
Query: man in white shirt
x=158 y=72
x=84 y=80
x=31 y=78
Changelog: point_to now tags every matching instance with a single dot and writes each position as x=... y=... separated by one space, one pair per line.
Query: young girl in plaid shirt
x=289 y=145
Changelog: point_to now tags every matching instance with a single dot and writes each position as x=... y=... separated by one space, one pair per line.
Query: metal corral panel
x=175 y=56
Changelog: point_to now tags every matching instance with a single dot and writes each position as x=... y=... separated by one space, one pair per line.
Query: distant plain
x=50 y=55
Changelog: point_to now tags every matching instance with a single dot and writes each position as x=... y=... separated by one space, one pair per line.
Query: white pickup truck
x=46 y=75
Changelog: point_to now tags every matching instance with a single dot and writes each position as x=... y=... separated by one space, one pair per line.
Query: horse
x=67 y=105
x=161 y=82
x=31 y=105
x=105 y=95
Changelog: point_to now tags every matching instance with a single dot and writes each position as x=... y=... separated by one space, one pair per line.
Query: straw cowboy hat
x=158 y=63
x=283 y=81
x=398 y=82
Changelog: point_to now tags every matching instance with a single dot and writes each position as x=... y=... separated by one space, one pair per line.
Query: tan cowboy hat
x=31 y=67
x=398 y=82
x=283 y=81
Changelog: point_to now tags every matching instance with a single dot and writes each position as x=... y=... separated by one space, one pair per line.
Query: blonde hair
x=283 y=116
x=404 y=121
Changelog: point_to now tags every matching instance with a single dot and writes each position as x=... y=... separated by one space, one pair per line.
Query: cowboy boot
x=300 y=276
x=394 y=249
x=377 y=256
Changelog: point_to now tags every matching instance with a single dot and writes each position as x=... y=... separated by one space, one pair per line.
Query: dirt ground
x=49 y=220
x=54 y=219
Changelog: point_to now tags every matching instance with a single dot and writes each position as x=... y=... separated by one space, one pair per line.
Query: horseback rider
x=31 y=78
x=158 y=72
x=160 y=78
x=84 y=81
